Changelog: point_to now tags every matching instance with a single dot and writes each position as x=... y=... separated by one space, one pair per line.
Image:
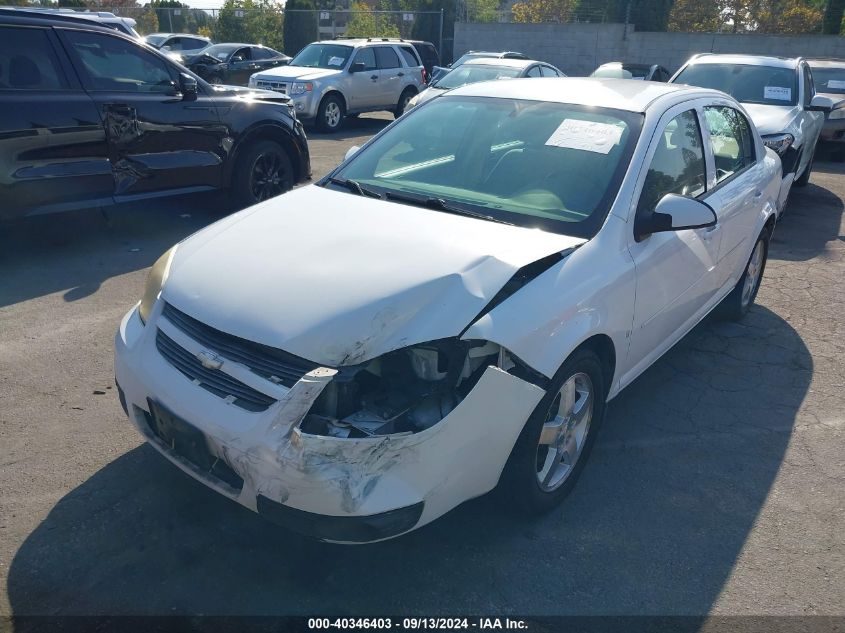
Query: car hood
x=339 y=279
x=249 y=94
x=771 y=119
x=298 y=72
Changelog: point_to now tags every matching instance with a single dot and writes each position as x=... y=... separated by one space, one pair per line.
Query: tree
x=147 y=22
x=74 y=4
x=834 y=14
x=300 y=26
x=364 y=22
x=544 y=11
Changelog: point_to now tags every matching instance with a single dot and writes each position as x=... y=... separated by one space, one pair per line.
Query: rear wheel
x=551 y=451
x=737 y=304
x=263 y=171
x=407 y=95
x=330 y=114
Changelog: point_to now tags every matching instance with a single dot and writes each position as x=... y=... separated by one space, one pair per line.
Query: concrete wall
x=578 y=49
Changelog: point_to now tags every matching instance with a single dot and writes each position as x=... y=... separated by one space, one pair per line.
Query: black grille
x=217 y=382
x=266 y=361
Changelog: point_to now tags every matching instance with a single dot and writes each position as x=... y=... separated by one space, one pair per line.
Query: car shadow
x=679 y=473
x=77 y=251
x=353 y=127
x=813 y=217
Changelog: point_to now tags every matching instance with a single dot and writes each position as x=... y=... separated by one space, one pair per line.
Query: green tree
x=147 y=22
x=364 y=22
x=300 y=25
x=834 y=14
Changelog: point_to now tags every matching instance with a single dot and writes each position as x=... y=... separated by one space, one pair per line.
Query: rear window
x=409 y=56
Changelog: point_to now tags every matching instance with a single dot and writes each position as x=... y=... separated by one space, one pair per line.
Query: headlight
x=155 y=282
x=404 y=391
x=839 y=113
x=299 y=87
x=413 y=102
x=778 y=142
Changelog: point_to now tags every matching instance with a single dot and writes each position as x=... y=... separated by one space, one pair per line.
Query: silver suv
x=334 y=79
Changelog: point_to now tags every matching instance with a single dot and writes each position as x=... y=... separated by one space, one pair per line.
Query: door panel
x=53 y=150
x=391 y=76
x=364 y=85
x=241 y=67
x=157 y=140
x=675 y=269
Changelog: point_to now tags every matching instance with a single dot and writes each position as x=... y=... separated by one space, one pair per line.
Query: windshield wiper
x=442 y=205
x=355 y=187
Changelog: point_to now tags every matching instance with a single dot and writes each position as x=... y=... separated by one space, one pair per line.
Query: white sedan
x=452 y=308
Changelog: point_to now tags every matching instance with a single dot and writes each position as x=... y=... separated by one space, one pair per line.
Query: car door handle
x=401 y=75
x=373 y=77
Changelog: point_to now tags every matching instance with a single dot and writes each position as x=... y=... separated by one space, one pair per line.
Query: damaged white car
x=452 y=307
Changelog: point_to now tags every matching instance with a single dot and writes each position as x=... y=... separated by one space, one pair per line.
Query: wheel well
x=602 y=345
x=337 y=94
x=270 y=133
x=410 y=89
x=770 y=224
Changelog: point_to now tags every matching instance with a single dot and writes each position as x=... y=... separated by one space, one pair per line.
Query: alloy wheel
x=752 y=273
x=268 y=176
x=332 y=114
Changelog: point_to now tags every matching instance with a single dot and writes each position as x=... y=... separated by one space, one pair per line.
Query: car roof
x=826 y=63
x=500 y=61
x=60 y=18
x=749 y=60
x=620 y=94
x=199 y=37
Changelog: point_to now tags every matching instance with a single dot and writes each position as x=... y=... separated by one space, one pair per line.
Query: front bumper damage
x=338 y=489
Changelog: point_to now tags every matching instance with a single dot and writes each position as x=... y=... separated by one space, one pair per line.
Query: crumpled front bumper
x=336 y=489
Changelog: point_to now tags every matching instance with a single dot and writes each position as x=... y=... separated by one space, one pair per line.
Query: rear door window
x=387 y=57
x=731 y=139
x=409 y=56
x=28 y=61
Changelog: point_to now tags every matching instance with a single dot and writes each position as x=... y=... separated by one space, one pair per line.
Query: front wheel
x=737 y=304
x=262 y=172
x=553 y=447
x=330 y=114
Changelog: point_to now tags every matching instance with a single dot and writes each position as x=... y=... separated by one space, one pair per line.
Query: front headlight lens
x=155 y=282
x=779 y=142
x=300 y=87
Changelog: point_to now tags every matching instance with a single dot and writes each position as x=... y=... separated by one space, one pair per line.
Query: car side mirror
x=823 y=103
x=351 y=152
x=675 y=213
x=188 y=87
x=357 y=67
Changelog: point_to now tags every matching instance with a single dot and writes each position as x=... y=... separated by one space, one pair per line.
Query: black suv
x=90 y=117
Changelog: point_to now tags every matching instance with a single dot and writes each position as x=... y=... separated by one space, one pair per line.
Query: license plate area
x=189 y=443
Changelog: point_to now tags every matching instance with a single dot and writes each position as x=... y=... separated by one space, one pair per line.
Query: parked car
x=620 y=70
x=90 y=117
x=829 y=79
x=439 y=71
x=779 y=96
x=103 y=18
x=177 y=43
x=427 y=52
x=492 y=269
x=233 y=63
x=489 y=69
x=337 y=78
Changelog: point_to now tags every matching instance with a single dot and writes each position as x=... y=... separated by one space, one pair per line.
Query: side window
x=367 y=56
x=193 y=44
x=548 y=71
x=28 y=61
x=809 y=86
x=118 y=65
x=387 y=57
x=677 y=165
x=175 y=43
x=730 y=136
x=243 y=53
x=409 y=56
x=263 y=53
x=534 y=72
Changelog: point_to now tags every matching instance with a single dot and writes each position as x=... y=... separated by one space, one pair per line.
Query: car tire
x=528 y=478
x=263 y=171
x=406 y=96
x=330 y=114
x=739 y=301
x=805 y=177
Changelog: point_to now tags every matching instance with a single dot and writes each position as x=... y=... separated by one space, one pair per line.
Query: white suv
x=334 y=79
x=778 y=94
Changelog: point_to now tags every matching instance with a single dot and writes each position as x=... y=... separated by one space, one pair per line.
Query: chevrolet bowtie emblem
x=210 y=360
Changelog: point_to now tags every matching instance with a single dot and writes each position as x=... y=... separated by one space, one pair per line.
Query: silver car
x=485 y=69
x=778 y=94
x=334 y=79
x=829 y=78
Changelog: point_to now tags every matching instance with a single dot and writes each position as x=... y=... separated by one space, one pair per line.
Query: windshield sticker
x=838 y=84
x=336 y=61
x=589 y=136
x=778 y=93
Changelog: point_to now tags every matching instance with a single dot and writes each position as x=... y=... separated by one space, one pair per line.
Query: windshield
x=473 y=74
x=829 y=80
x=531 y=163
x=218 y=51
x=322 y=56
x=155 y=40
x=766 y=85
